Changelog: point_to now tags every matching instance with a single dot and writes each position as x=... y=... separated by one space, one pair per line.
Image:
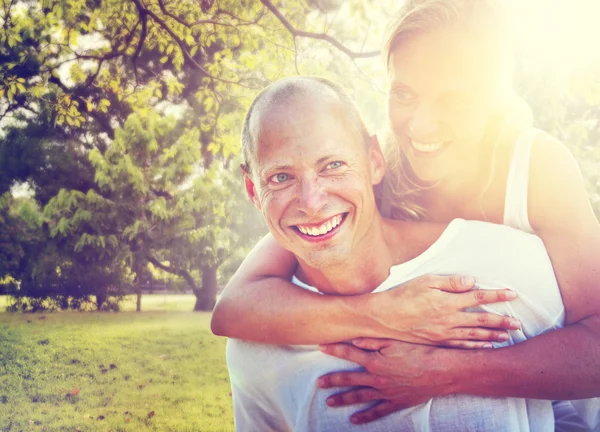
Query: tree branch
x=161 y=4
x=186 y=53
x=104 y=123
x=143 y=13
x=182 y=273
x=320 y=36
x=241 y=22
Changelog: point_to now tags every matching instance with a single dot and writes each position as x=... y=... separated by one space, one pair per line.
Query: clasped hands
x=399 y=374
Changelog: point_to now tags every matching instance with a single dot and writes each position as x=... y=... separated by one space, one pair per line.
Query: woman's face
x=440 y=100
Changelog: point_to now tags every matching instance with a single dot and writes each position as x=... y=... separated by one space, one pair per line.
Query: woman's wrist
x=366 y=312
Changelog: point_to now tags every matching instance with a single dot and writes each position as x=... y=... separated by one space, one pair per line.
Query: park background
x=120 y=189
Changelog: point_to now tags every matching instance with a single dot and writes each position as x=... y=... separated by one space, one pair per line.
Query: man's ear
x=376 y=160
x=250 y=189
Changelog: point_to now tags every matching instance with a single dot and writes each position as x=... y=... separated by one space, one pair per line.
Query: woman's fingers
x=347 y=352
x=385 y=408
x=487 y=320
x=354 y=397
x=346 y=379
x=466 y=344
x=453 y=284
x=478 y=334
x=478 y=297
x=371 y=344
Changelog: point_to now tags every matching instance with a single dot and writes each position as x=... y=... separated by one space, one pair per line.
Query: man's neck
x=367 y=267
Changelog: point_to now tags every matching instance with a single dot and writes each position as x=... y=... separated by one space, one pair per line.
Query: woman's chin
x=425 y=172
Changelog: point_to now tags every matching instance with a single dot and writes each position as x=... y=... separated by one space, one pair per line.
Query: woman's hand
x=430 y=310
x=397 y=374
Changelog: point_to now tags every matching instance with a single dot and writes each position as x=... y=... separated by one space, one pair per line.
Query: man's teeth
x=324 y=228
x=427 y=148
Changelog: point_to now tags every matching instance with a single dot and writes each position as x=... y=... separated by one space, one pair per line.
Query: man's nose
x=311 y=197
x=424 y=122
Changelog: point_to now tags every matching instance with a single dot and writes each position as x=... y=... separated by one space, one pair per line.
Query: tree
x=81 y=83
x=147 y=209
x=86 y=89
x=568 y=107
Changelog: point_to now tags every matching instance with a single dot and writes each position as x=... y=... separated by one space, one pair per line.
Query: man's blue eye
x=334 y=165
x=280 y=178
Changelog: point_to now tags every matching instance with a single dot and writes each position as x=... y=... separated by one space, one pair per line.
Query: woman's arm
x=561 y=214
x=562 y=364
x=261 y=304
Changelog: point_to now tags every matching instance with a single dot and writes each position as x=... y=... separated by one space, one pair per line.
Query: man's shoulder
x=492 y=249
x=488 y=231
x=493 y=240
x=479 y=235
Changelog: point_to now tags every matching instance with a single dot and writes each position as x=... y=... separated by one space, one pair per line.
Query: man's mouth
x=322 y=229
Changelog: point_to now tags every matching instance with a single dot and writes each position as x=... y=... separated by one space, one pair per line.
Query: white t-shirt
x=274 y=387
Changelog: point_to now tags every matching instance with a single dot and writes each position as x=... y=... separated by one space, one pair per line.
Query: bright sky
x=558 y=36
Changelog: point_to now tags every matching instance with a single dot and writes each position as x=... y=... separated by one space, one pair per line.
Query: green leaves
x=11 y=86
x=68 y=110
x=146 y=106
x=103 y=105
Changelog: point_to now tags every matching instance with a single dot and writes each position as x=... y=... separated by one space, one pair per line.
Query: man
x=310 y=168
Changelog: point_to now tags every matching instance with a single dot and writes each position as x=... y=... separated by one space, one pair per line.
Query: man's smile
x=322 y=230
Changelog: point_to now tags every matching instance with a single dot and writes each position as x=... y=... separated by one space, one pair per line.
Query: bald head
x=297 y=96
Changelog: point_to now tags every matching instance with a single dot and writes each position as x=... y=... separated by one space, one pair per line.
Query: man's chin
x=323 y=259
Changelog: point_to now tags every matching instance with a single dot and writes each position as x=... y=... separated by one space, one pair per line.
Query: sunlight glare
x=557 y=36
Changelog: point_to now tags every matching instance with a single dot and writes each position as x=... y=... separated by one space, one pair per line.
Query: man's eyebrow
x=281 y=167
x=324 y=158
x=273 y=168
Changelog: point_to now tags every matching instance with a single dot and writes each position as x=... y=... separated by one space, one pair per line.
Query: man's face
x=313 y=181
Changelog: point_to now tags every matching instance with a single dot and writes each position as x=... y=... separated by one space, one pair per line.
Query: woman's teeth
x=427 y=148
x=324 y=228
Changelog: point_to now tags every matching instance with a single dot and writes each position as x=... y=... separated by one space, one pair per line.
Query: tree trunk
x=206 y=296
x=138 y=281
x=101 y=297
x=138 y=302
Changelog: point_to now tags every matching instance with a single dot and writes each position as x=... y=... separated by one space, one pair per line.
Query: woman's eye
x=279 y=178
x=334 y=165
x=403 y=96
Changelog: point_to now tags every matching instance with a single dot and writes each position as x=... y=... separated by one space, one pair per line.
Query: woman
x=462 y=147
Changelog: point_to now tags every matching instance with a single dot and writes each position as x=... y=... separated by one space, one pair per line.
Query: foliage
x=147 y=208
x=84 y=91
x=45 y=274
x=569 y=109
x=124 y=118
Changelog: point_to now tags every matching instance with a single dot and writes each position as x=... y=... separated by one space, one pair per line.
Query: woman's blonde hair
x=398 y=194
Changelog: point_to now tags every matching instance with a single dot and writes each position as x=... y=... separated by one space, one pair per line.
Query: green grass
x=150 y=302
x=125 y=365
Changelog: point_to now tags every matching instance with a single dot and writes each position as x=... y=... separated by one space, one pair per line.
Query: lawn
x=159 y=370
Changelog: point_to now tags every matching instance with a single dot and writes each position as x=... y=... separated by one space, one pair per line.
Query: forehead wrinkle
x=312 y=101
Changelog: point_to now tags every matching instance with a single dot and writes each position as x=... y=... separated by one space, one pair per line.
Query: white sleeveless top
x=516 y=216
x=515 y=201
